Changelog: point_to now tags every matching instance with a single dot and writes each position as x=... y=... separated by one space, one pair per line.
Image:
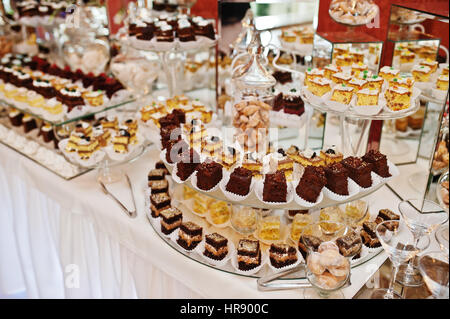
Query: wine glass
x=399 y=244
x=421 y=222
x=441 y=236
x=434 y=269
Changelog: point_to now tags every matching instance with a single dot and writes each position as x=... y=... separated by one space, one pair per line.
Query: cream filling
x=170 y=226
x=215 y=251
x=188 y=238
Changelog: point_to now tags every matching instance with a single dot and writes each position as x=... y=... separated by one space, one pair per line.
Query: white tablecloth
x=52 y=230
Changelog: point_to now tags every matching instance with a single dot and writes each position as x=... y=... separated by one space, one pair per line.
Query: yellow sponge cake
x=421 y=73
x=367 y=97
x=319 y=86
x=398 y=98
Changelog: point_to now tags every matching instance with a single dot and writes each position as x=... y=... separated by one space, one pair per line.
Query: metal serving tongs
x=131 y=214
x=266 y=283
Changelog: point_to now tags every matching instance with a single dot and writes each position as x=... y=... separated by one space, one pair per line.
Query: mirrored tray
x=234 y=237
x=31 y=146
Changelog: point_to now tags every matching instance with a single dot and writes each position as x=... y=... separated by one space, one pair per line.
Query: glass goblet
x=421 y=222
x=433 y=267
x=399 y=244
x=442 y=237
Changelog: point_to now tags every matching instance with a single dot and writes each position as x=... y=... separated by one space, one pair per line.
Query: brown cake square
x=171 y=219
x=282 y=255
x=156 y=174
x=337 y=178
x=216 y=246
x=248 y=254
x=209 y=174
x=159 y=186
x=159 y=202
x=311 y=183
x=307 y=243
x=369 y=236
x=359 y=171
x=379 y=163
x=350 y=244
x=275 y=187
x=240 y=181
x=189 y=160
x=189 y=235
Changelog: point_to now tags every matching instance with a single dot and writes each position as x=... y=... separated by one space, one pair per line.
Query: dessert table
x=66 y=239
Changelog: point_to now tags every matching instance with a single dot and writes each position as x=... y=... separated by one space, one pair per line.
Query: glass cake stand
x=172 y=59
x=292 y=278
x=108 y=170
x=364 y=121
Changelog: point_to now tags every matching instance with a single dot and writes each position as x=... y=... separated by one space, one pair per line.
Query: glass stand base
x=311 y=293
x=383 y=294
x=409 y=277
x=110 y=175
x=395 y=147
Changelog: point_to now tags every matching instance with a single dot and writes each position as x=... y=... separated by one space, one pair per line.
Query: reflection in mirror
x=286 y=31
x=416 y=48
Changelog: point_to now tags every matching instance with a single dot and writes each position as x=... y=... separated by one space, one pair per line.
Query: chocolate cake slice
x=359 y=171
x=248 y=254
x=350 y=244
x=156 y=174
x=161 y=186
x=171 y=219
x=240 y=181
x=337 y=178
x=369 y=236
x=189 y=160
x=209 y=174
x=307 y=243
x=159 y=202
x=189 y=235
x=216 y=246
x=275 y=187
x=311 y=183
x=282 y=77
x=379 y=163
x=282 y=255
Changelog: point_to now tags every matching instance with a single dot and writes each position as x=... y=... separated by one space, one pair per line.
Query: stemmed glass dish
x=434 y=269
x=326 y=269
x=421 y=223
x=441 y=236
x=400 y=245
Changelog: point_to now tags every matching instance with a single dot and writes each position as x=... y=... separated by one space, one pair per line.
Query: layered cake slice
x=209 y=174
x=275 y=188
x=189 y=235
x=216 y=246
x=156 y=174
x=270 y=227
x=369 y=236
x=359 y=171
x=337 y=178
x=240 y=181
x=253 y=163
x=159 y=202
x=159 y=186
x=311 y=183
x=248 y=254
x=122 y=140
x=282 y=255
x=308 y=243
x=310 y=158
x=101 y=135
x=378 y=161
x=29 y=123
x=350 y=244
x=386 y=214
x=331 y=155
x=171 y=219
x=86 y=147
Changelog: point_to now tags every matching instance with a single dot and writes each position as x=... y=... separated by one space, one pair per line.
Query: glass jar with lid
x=252 y=100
